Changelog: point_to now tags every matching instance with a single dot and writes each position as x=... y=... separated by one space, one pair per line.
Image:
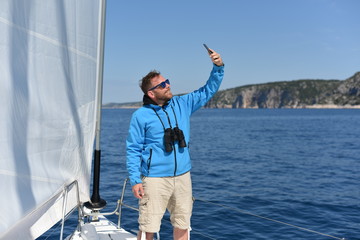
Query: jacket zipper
x=149 y=161
x=174 y=149
x=175 y=159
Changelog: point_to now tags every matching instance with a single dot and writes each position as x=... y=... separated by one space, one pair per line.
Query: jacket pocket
x=149 y=162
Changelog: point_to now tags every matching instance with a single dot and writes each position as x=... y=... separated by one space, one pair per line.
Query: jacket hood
x=148 y=101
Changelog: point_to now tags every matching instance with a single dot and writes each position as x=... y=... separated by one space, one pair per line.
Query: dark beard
x=166 y=97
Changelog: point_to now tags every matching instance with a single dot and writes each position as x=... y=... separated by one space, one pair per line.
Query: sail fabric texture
x=48 y=62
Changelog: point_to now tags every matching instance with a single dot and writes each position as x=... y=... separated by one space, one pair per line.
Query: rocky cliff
x=291 y=94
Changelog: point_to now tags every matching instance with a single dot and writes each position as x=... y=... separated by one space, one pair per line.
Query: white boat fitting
x=101 y=230
x=93 y=225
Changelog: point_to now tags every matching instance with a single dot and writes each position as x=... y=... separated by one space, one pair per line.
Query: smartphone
x=209 y=51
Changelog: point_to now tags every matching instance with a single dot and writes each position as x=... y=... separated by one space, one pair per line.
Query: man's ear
x=151 y=94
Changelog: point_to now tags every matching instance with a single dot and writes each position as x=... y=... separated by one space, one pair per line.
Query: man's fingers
x=137 y=195
x=141 y=191
x=138 y=190
x=215 y=56
x=217 y=60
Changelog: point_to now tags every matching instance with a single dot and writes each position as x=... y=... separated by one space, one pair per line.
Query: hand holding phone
x=208 y=49
x=215 y=57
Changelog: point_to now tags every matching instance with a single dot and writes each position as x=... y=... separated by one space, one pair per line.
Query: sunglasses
x=162 y=85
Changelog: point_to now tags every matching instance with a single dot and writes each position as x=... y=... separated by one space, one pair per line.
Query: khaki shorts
x=172 y=193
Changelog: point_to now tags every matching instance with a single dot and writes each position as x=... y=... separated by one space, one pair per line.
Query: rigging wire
x=266 y=218
x=194 y=231
x=203 y=234
x=51 y=231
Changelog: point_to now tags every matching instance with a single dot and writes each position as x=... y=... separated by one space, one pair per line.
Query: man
x=158 y=159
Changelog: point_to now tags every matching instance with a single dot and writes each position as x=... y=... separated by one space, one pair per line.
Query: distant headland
x=307 y=93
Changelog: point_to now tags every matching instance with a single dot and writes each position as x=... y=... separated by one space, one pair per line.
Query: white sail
x=48 y=62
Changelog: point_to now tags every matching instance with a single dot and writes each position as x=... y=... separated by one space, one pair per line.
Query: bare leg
x=149 y=236
x=180 y=234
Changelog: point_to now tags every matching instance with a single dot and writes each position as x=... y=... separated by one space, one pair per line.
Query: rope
x=269 y=219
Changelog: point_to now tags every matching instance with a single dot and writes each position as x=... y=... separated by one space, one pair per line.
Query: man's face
x=160 y=95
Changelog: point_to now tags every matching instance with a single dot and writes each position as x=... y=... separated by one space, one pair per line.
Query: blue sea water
x=256 y=172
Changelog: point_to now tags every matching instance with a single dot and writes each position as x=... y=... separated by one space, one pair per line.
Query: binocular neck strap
x=159 y=118
x=162 y=123
x=177 y=125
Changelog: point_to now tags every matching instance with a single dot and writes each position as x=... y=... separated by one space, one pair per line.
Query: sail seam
x=45 y=38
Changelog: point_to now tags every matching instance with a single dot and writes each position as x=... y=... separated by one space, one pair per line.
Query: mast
x=96 y=202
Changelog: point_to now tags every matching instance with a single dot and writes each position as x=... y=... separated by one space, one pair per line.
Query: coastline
x=331 y=106
x=315 y=106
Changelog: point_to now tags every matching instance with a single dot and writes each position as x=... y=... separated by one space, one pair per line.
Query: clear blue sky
x=260 y=41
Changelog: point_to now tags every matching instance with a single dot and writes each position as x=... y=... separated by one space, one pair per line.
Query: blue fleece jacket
x=146 y=155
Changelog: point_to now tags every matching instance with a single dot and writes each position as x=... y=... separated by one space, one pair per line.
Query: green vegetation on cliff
x=286 y=94
x=290 y=94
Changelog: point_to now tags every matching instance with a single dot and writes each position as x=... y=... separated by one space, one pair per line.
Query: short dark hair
x=145 y=82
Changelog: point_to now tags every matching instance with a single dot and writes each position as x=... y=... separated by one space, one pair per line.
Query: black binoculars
x=172 y=135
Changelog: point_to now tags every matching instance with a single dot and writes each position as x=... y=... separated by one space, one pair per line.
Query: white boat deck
x=102 y=230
